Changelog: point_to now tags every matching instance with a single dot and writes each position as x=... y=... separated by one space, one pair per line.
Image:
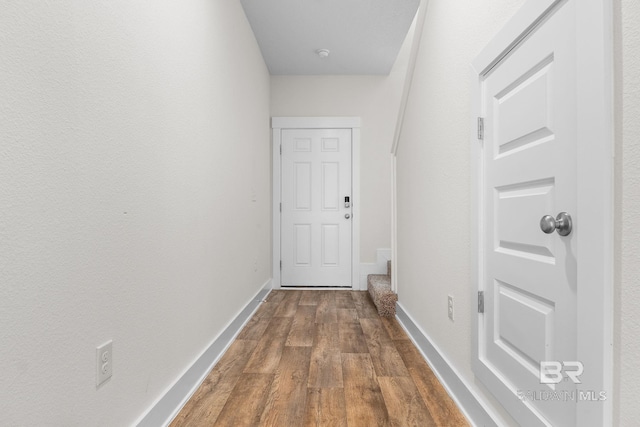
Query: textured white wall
x=134 y=192
x=433 y=188
x=376 y=100
x=627 y=342
x=433 y=174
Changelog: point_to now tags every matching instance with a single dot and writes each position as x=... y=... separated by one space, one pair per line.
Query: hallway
x=320 y=358
x=137 y=187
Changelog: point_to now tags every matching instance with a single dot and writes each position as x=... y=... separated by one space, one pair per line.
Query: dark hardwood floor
x=320 y=358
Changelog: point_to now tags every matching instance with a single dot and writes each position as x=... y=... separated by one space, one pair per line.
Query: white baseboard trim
x=467 y=400
x=379 y=267
x=164 y=410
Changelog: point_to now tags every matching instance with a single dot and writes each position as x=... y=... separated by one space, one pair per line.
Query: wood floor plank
x=375 y=331
x=276 y=296
x=289 y=304
x=394 y=329
x=246 y=402
x=404 y=403
x=254 y=329
x=266 y=310
x=364 y=305
x=387 y=361
x=384 y=355
x=325 y=408
x=258 y=323
x=326 y=335
x=288 y=395
x=441 y=407
x=303 y=324
x=363 y=399
x=205 y=405
x=309 y=297
x=325 y=370
x=347 y=315
x=266 y=356
x=352 y=338
x=326 y=311
x=293 y=295
x=344 y=299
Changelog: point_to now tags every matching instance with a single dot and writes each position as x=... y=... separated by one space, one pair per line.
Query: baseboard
x=379 y=267
x=466 y=400
x=167 y=407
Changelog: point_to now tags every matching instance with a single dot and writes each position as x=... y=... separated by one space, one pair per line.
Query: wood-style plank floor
x=320 y=358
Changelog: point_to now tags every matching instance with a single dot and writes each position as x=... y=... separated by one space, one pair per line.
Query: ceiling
x=362 y=36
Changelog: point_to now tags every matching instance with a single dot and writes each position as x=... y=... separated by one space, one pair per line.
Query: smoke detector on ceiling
x=322 y=53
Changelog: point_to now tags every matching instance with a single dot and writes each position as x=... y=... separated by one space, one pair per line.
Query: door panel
x=518 y=209
x=529 y=170
x=302 y=185
x=315 y=234
x=302 y=241
x=330 y=186
x=330 y=245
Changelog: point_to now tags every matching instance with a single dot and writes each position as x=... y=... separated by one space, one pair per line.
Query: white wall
x=134 y=192
x=433 y=176
x=627 y=299
x=376 y=100
x=434 y=199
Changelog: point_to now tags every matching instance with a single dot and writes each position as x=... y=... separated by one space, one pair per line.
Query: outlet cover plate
x=104 y=362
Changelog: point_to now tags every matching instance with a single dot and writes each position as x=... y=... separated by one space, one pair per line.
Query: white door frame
x=352 y=123
x=595 y=151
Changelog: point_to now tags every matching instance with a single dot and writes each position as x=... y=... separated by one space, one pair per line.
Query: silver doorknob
x=562 y=224
x=347 y=216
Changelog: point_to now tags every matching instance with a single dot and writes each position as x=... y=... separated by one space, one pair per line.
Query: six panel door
x=315 y=220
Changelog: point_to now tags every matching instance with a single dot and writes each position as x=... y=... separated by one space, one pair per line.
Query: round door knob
x=347 y=216
x=562 y=224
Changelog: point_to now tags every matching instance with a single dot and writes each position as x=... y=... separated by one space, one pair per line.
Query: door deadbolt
x=347 y=216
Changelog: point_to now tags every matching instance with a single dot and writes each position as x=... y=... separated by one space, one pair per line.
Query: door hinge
x=481 y=128
x=480 y=301
x=280 y=264
x=281 y=149
x=280 y=206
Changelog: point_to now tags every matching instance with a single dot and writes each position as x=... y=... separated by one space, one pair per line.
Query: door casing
x=595 y=179
x=277 y=125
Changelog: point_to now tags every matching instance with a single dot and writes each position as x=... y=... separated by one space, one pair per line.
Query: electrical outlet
x=450 y=306
x=104 y=362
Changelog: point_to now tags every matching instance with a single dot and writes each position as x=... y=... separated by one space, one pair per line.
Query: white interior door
x=316 y=230
x=529 y=277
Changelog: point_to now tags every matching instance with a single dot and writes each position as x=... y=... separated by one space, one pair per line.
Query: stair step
x=379 y=287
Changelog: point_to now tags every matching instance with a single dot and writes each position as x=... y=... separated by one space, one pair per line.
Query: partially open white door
x=529 y=129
